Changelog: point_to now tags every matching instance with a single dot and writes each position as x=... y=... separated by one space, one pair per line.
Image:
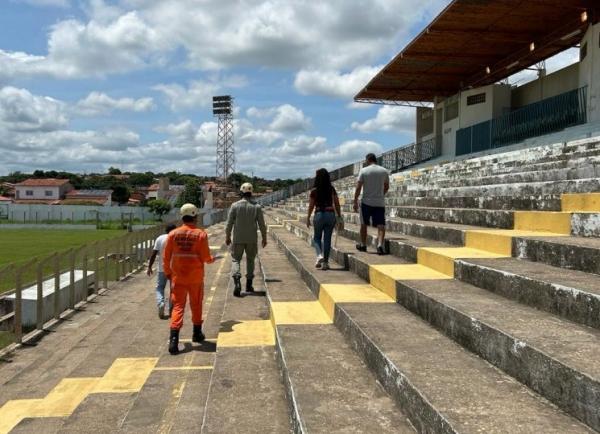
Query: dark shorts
x=372 y=215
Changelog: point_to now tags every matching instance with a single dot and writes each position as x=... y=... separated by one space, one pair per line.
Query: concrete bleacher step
x=534 y=159
x=584 y=185
x=575 y=253
x=477 y=318
x=574 y=295
x=533 y=203
x=516 y=167
x=329 y=388
x=448 y=389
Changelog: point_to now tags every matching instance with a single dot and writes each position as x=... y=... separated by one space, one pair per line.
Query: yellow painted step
x=543 y=221
x=499 y=241
x=384 y=276
x=442 y=259
x=298 y=312
x=255 y=333
x=330 y=294
x=126 y=375
x=580 y=202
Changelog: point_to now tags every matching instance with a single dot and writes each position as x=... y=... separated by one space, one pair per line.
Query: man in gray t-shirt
x=374 y=182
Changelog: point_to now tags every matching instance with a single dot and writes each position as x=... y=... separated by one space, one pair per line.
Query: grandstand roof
x=475 y=43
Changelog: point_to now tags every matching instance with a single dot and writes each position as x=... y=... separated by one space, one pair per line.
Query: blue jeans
x=161 y=282
x=324 y=222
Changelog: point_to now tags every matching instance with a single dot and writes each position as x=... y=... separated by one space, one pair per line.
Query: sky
x=90 y=84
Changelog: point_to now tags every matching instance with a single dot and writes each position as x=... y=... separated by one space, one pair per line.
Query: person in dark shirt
x=326 y=205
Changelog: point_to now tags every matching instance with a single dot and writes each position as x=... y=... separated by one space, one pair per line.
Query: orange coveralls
x=186 y=252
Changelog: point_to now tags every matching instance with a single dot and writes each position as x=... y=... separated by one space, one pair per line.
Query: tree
x=159 y=207
x=141 y=179
x=120 y=194
x=191 y=194
x=114 y=171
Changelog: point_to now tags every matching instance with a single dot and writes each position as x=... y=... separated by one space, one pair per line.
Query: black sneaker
x=361 y=248
x=380 y=250
x=249 y=287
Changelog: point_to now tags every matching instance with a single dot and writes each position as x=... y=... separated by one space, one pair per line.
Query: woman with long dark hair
x=324 y=201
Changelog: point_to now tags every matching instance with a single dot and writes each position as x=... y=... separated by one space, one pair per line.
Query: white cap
x=188 y=209
x=246 y=187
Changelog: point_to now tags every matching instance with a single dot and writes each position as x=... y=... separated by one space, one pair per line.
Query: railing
x=42 y=289
x=394 y=160
x=544 y=117
x=401 y=158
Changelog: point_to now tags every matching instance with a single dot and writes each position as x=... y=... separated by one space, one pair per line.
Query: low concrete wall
x=29 y=296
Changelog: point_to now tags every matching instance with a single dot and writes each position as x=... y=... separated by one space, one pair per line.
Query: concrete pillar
x=589 y=71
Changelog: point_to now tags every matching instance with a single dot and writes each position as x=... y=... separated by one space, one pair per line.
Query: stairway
x=485 y=315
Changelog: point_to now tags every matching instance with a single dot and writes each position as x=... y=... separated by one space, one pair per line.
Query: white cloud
x=97 y=103
x=216 y=35
x=93 y=49
x=283 y=119
x=289 y=119
x=389 y=118
x=199 y=93
x=22 y=111
x=333 y=83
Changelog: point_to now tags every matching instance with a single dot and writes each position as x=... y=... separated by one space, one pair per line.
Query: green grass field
x=20 y=245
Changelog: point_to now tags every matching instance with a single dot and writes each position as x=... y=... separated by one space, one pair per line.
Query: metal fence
x=42 y=289
x=394 y=160
x=544 y=117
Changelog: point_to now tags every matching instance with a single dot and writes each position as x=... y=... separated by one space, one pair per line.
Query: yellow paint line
x=543 y=221
x=442 y=258
x=330 y=294
x=248 y=333
x=65 y=397
x=298 y=312
x=170 y=410
x=126 y=375
x=184 y=368
x=580 y=202
x=13 y=412
x=214 y=247
x=384 y=276
x=214 y=281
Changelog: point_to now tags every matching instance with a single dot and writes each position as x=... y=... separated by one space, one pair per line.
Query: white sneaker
x=161 y=311
x=319 y=262
x=324 y=266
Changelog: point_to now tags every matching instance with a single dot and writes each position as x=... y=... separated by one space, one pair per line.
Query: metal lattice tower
x=222 y=109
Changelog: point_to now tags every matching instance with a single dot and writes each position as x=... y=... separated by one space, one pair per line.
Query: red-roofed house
x=42 y=190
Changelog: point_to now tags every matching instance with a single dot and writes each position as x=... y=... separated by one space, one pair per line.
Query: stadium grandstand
x=483 y=316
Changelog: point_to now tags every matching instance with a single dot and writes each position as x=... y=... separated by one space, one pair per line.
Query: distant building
x=4 y=200
x=88 y=197
x=48 y=191
x=163 y=190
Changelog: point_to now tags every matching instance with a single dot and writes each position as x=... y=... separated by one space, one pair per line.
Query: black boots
x=198 y=336
x=249 y=287
x=174 y=342
x=237 y=290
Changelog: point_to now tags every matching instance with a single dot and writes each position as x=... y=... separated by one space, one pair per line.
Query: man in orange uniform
x=186 y=252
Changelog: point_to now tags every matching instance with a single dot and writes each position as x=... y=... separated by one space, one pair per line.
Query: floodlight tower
x=222 y=109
